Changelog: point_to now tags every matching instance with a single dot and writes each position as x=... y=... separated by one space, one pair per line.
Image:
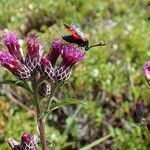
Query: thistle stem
x=40 y=121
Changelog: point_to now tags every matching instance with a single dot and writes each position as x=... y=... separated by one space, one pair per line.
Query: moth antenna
x=95 y=45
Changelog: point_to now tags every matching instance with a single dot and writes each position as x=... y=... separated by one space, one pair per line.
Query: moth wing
x=75 y=31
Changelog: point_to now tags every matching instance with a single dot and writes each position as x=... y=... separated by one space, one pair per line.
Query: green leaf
x=14 y=82
x=65 y=102
x=17 y=83
x=96 y=142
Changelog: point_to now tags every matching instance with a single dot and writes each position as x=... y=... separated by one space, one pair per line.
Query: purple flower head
x=28 y=142
x=37 y=65
x=14 y=65
x=70 y=55
x=47 y=69
x=146 y=70
x=25 y=137
x=12 y=43
x=34 y=52
x=55 y=51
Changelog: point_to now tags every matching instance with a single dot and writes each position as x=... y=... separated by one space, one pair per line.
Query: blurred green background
x=109 y=80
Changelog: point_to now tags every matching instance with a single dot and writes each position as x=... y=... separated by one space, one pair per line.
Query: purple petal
x=14 y=65
x=71 y=55
x=34 y=52
x=12 y=43
x=55 y=51
x=33 y=45
x=25 y=137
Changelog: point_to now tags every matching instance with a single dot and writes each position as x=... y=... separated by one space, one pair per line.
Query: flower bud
x=70 y=55
x=34 y=52
x=12 y=43
x=55 y=51
x=47 y=69
x=28 y=142
x=44 y=89
x=25 y=137
x=14 y=66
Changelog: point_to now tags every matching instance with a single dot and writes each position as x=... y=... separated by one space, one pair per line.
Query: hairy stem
x=40 y=121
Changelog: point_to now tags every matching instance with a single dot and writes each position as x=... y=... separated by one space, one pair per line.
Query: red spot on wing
x=73 y=33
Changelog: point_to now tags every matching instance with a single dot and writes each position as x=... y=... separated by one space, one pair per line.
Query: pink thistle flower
x=25 y=137
x=12 y=43
x=48 y=62
x=34 y=52
x=35 y=63
x=55 y=51
x=70 y=55
x=14 y=65
x=146 y=70
x=28 y=142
